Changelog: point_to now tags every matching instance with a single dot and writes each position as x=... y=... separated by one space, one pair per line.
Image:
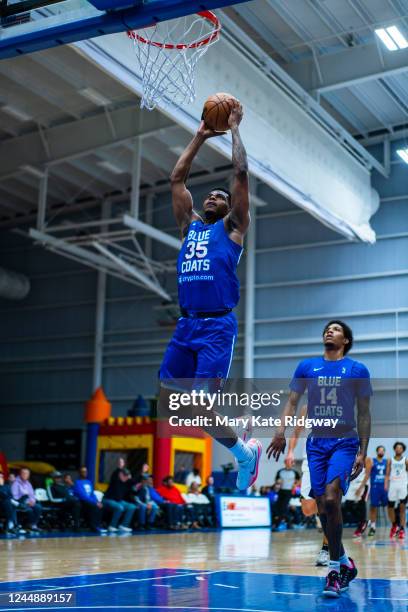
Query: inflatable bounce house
x=140 y=439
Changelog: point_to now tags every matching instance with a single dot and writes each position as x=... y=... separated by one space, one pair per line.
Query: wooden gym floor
x=233 y=570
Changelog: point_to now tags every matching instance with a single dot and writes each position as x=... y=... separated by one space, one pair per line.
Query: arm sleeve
x=298 y=382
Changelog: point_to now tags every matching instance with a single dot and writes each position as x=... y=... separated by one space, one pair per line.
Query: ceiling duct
x=13 y=286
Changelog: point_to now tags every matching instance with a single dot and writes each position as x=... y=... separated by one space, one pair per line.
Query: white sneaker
x=248 y=470
x=112 y=529
x=322 y=558
x=125 y=529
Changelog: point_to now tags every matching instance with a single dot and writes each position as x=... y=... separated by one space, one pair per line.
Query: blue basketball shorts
x=378 y=496
x=330 y=458
x=200 y=349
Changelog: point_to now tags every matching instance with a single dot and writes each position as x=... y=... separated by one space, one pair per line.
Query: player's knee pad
x=391 y=504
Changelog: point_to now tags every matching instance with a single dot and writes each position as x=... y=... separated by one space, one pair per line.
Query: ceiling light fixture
x=392 y=38
x=16 y=112
x=403 y=153
x=398 y=37
x=110 y=167
x=94 y=96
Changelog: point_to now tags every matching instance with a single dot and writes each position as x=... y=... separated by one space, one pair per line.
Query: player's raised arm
x=278 y=443
x=238 y=219
x=182 y=199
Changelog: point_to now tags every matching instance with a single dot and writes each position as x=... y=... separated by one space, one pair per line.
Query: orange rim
x=208 y=15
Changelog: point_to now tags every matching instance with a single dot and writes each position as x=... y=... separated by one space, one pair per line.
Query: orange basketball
x=216 y=111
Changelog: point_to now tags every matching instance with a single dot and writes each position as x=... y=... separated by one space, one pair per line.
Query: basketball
x=216 y=111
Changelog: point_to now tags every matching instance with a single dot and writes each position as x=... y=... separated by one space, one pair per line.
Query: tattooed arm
x=237 y=221
x=181 y=196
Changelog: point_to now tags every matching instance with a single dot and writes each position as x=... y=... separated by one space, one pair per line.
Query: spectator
x=91 y=507
x=200 y=504
x=68 y=482
x=8 y=508
x=148 y=507
x=209 y=489
x=209 y=492
x=254 y=491
x=181 y=475
x=23 y=492
x=175 y=507
x=115 y=473
x=115 y=500
x=193 y=476
x=63 y=495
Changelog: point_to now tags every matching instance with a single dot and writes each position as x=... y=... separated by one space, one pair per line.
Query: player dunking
x=334 y=383
x=202 y=345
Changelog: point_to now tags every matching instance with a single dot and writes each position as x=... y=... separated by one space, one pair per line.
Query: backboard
x=31 y=25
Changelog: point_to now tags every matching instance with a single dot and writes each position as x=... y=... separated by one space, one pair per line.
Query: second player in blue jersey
x=335 y=384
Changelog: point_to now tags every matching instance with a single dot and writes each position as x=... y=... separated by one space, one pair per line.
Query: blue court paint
x=248 y=592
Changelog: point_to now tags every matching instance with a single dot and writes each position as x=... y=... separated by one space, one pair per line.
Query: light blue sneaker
x=248 y=470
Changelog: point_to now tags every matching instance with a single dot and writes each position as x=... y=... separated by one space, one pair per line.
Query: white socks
x=241 y=451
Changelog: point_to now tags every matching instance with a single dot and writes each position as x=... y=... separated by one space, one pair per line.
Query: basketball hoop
x=168 y=53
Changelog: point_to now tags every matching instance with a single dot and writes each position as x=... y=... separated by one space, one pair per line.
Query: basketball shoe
x=332 y=586
x=248 y=470
x=347 y=574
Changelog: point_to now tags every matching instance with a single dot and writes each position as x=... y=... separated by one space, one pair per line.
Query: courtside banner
x=236 y=511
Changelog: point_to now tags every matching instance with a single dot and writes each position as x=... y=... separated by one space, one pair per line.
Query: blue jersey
x=332 y=390
x=206 y=269
x=377 y=474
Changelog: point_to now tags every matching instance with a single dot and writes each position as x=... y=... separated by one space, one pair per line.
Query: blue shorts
x=330 y=458
x=200 y=349
x=378 y=496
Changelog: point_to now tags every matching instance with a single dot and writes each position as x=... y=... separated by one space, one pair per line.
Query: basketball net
x=168 y=53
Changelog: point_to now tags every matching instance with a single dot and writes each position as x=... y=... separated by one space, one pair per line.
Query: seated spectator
x=8 y=508
x=91 y=507
x=193 y=476
x=115 y=499
x=174 y=507
x=254 y=491
x=62 y=494
x=121 y=466
x=181 y=475
x=148 y=507
x=201 y=505
x=23 y=492
x=68 y=482
x=209 y=491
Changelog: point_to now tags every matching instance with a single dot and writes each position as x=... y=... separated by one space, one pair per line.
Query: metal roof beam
x=76 y=138
x=347 y=68
x=259 y=26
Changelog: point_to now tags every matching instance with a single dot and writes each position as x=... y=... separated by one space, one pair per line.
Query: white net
x=168 y=54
